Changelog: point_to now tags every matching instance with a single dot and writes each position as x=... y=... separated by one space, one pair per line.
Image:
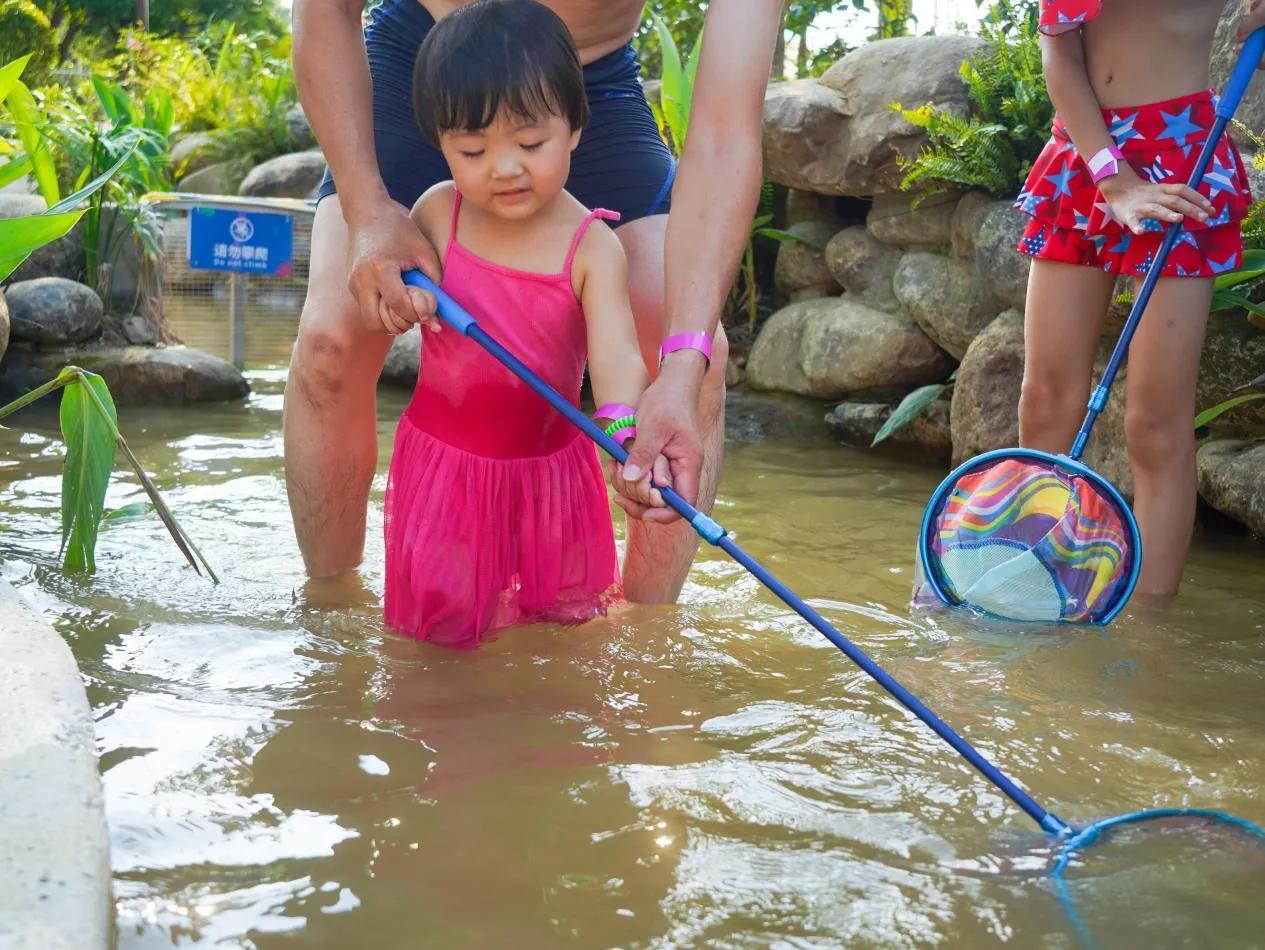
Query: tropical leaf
x=674 y=94
x=21 y=236
x=14 y=169
x=777 y=234
x=133 y=512
x=90 y=443
x=26 y=118
x=70 y=201
x=10 y=73
x=910 y=408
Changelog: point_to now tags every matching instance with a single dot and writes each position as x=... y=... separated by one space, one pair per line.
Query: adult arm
x=1131 y=198
x=331 y=71
x=714 y=200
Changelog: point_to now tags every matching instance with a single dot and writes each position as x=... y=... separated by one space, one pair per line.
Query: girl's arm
x=1131 y=198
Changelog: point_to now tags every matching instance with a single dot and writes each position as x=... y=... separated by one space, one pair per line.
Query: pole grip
x=450 y=311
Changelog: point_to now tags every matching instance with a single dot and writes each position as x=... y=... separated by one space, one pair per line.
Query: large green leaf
x=674 y=94
x=27 y=120
x=90 y=443
x=20 y=236
x=910 y=407
x=86 y=191
x=10 y=73
x=1221 y=408
x=14 y=169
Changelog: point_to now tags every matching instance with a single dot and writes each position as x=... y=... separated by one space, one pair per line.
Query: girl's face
x=515 y=166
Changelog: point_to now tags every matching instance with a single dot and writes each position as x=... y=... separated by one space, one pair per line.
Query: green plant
x=672 y=110
x=1249 y=392
x=994 y=147
x=912 y=406
x=24 y=29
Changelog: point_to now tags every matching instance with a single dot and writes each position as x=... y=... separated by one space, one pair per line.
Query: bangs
x=489 y=56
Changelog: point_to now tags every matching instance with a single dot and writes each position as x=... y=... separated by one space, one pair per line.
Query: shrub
x=25 y=29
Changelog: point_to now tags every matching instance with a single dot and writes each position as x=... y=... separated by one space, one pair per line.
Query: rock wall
x=904 y=293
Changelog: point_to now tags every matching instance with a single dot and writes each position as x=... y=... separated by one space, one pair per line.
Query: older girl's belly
x=598 y=26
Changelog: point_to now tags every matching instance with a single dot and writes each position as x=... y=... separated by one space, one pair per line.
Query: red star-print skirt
x=1072 y=223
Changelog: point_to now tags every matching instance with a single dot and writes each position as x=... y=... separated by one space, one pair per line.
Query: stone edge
x=54 y=848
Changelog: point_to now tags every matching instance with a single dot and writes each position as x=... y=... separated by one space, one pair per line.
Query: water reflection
x=281 y=773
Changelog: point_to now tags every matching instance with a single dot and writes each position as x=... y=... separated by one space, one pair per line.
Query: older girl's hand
x=1133 y=201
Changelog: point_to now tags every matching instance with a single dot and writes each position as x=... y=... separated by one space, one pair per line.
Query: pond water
x=280 y=773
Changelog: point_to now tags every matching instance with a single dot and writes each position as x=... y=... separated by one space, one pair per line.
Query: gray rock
x=1233 y=355
x=1251 y=112
x=810 y=206
x=859 y=422
x=864 y=267
x=801 y=271
x=137 y=330
x=301 y=135
x=61 y=258
x=966 y=221
x=135 y=374
x=288 y=176
x=895 y=220
x=192 y=153
x=1230 y=480
x=221 y=178
x=985 y=411
x=49 y=311
x=1001 y=267
x=831 y=346
x=403 y=360
x=852 y=143
x=651 y=89
x=944 y=295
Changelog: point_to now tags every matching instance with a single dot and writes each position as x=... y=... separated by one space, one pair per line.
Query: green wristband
x=623 y=422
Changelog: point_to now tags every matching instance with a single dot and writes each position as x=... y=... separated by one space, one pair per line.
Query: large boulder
x=907 y=222
x=810 y=206
x=51 y=311
x=403 y=360
x=1003 y=270
x=135 y=374
x=864 y=267
x=984 y=413
x=301 y=134
x=832 y=346
x=801 y=271
x=222 y=178
x=944 y=295
x=296 y=175
x=1230 y=480
x=966 y=216
x=1251 y=113
x=1233 y=355
x=61 y=258
x=840 y=135
x=192 y=153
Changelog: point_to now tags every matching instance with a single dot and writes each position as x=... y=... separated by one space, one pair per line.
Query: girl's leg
x=1163 y=371
x=1063 y=318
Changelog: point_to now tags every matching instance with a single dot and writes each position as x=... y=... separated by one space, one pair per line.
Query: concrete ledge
x=54 y=851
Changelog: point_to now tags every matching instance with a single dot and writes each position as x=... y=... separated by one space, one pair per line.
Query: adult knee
x=329 y=358
x=1157 y=439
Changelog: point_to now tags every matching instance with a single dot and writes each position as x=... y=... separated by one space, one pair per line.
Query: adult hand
x=667 y=437
x=383 y=243
x=1252 y=21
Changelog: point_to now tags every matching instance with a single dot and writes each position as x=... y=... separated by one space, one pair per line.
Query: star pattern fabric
x=1060 y=16
x=1073 y=223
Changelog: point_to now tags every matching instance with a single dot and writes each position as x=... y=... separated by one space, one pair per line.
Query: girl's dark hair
x=493 y=53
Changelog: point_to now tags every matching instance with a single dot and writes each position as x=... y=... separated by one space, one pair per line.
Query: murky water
x=279 y=773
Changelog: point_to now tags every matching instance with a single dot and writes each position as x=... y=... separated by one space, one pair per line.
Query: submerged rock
x=832 y=346
x=50 y=311
x=859 y=422
x=984 y=413
x=296 y=175
x=1231 y=480
x=135 y=374
x=403 y=360
x=801 y=271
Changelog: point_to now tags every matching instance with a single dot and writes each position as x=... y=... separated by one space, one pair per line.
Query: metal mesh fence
x=247 y=319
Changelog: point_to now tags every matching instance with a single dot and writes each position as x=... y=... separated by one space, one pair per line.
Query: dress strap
x=456 y=210
x=584 y=226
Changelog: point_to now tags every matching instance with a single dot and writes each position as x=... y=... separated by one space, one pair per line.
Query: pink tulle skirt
x=476 y=544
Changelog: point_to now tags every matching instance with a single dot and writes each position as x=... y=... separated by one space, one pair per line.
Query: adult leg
x=1163 y=372
x=659 y=556
x=331 y=447
x=1062 y=322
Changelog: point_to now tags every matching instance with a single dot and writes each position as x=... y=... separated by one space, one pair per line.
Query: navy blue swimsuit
x=621 y=162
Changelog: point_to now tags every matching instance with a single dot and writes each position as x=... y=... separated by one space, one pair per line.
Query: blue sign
x=252 y=242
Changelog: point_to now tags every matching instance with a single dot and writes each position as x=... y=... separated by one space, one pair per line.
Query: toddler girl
x=1109 y=182
x=496 y=511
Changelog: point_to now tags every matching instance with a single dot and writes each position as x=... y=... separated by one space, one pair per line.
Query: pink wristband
x=614 y=410
x=687 y=341
x=1105 y=164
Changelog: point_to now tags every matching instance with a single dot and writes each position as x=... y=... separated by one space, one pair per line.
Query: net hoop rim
x=1064 y=462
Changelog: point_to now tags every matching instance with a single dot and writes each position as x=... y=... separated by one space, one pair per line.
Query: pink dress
x=496 y=507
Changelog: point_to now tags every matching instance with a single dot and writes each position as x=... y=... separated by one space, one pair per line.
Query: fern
x=994 y=147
